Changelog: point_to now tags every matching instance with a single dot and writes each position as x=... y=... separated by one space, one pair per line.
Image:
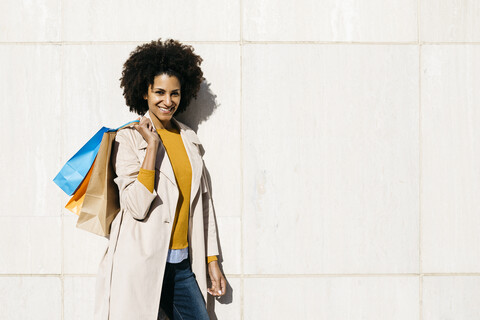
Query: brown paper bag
x=101 y=203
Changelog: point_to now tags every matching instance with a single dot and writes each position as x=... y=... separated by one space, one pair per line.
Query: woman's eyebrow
x=164 y=89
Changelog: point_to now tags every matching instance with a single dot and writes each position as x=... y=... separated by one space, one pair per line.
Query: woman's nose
x=168 y=100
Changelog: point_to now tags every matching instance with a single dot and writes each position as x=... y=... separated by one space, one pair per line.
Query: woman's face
x=163 y=97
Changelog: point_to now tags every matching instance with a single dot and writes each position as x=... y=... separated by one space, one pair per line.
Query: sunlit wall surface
x=341 y=137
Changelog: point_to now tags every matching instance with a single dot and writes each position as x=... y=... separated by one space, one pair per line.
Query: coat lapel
x=162 y=162
x=193 y=148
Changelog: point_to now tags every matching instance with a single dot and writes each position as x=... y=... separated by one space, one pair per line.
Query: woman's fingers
x=214 y=289
x=146 y=129
x=147 y=123
x=140 y=123
x=218 y=287
x=218 y=280
x=223 y=285
x=144 y=123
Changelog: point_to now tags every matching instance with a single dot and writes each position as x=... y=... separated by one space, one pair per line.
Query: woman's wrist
x=150 y=156
x=153 y=145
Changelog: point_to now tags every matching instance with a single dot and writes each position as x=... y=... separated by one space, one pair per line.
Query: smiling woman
x=164 y=238
x=163 y=98
x=155 y=58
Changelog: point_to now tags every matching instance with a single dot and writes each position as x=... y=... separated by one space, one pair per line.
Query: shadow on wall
x=197 y=112
x=199 y=109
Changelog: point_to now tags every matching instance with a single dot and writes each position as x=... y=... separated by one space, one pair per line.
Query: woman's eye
x=159 y=92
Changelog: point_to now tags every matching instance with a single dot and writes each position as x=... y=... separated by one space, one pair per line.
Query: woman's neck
x=161 y=124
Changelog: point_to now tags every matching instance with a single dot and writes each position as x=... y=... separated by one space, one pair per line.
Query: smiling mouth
x=167 y=110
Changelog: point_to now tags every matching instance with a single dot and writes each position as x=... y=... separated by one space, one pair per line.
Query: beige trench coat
x=130 y=276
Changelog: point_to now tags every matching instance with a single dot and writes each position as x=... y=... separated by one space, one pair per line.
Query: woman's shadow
x=197 y=112
x=201 y=108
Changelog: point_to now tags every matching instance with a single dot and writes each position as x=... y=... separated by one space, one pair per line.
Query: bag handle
x=126 y=125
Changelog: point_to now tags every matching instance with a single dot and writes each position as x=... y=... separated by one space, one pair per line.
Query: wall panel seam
x=420 y=269
x=242 y=196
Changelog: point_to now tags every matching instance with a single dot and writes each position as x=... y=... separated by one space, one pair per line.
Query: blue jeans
x=181 y=297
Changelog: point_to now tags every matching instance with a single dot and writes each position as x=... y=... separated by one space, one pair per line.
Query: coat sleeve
x=209 y=219
x=135 y=198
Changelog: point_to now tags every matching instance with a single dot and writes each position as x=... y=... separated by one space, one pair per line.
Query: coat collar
x=194 y=151
x=185 y=131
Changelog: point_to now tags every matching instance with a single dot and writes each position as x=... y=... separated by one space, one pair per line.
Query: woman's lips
x=166 y=110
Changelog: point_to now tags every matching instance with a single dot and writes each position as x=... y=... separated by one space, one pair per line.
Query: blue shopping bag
x=74 y=171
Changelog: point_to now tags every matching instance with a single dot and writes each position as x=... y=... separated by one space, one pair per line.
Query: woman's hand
x=219 y=284
x=146 y=129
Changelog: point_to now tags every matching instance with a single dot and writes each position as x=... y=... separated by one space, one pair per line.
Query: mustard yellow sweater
x=182 y=169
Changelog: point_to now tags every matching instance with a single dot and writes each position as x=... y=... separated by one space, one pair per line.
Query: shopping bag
x=101 y=201
x=77 y=167
x=76 y=201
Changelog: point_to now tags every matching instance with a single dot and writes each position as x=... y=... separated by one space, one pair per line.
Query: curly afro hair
x=152 y=59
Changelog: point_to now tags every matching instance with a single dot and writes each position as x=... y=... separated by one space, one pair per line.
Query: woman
x=166 y=225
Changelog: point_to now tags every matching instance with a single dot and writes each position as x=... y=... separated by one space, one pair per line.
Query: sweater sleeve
x=133 y=195
x=147 y=178
x=211 y=258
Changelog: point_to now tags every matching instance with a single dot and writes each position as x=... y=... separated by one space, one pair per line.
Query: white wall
x=342 y=145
